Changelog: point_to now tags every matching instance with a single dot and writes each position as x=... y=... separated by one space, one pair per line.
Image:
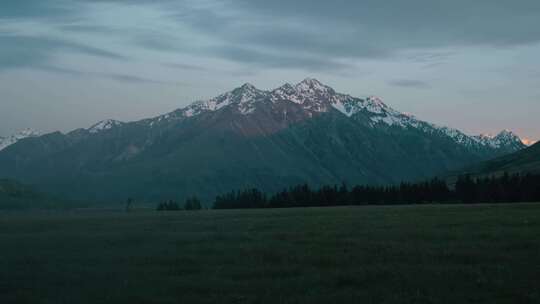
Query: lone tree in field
x=129 y=202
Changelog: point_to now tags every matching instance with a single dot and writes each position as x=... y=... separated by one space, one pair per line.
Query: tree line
x=505 y=188
x=192 y=203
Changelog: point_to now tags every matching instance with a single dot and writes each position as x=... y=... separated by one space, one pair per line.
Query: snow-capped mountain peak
x=315 y=97
x=506 y=134
x=311 y=86
x=248 y=87
x=507 y=137
x=318 y=97
x=504 y=138
x=375 y=104
x=104 y=125
x=243 y=97
x=10 y=140
x=244 y=94
x=284 y=90
x=310 y=93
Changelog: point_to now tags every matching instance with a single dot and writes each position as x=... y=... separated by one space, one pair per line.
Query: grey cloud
x=325 y=43
x=184 y=66
x=24 y=51
x=517 y=71
x=40 y=9
x=114 y=76
x=90 y=28
x=320 y=35
x=241 y=53
x=134 y=79
x=410 y=83
x=433 y=65
x=349 y=29
x=430 y=57
x=272 y=60
x=160 y=42
x=416 y=22
x=430 y=60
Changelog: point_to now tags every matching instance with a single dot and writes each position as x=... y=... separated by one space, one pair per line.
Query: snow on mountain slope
x=10 y=140
x=243 y=97
x=104 y=125
x=504 y=138
x=315 y=97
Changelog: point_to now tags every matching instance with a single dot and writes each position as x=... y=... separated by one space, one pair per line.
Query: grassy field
x=397 y=254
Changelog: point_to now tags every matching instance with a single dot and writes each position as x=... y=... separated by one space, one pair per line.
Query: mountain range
x=302 y=133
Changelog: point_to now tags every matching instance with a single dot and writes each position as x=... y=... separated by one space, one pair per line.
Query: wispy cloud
x=430 y=59
x=39 y=9
x=113 y=76
x=184 y=66
x=26 y=51
x=302 y=34
x=410 y=83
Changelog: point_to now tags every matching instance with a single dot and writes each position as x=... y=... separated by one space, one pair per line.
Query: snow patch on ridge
x=13 y=139
x=104 y=125
x=504 y=138
x=243 y=97
x=340 y=106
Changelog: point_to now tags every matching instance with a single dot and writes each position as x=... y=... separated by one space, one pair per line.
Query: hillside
x=523 y=161
x=17 y=196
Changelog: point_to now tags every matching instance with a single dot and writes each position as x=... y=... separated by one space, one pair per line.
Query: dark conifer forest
x=503 y=189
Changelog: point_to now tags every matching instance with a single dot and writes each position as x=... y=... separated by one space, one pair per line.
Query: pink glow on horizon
x=528 y=142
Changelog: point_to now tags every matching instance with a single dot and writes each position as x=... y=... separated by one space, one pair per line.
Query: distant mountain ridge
x=521 y=162
x=249 y=137
x=10 y=140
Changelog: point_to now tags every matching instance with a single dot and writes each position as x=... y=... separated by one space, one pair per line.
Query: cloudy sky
x=472 y=65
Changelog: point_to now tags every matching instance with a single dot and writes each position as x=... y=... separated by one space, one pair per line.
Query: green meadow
x=372 y=254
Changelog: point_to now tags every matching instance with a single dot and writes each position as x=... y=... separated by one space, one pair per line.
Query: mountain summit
x=505 y=138
x=247 y=137
x=314 y=98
